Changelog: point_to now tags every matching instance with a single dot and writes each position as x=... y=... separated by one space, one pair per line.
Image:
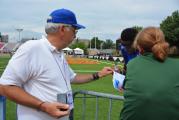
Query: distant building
x=93 y=51
x=4 y=38
x=106 y=51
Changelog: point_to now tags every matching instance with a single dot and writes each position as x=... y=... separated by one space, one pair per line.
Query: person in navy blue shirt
x=128 y=52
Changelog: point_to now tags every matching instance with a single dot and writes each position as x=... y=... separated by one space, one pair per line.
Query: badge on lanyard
x=70 y=99
x=66 y=98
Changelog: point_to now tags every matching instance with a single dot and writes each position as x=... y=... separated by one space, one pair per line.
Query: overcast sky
x=102 y=18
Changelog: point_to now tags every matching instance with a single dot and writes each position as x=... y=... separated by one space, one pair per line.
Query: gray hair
x=52 y=27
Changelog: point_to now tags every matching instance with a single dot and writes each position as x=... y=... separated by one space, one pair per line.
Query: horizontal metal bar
x=105 y=95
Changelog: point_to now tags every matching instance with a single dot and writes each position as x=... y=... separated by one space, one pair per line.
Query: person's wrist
x=95 y=76
x=100 y=74
x=41 y=106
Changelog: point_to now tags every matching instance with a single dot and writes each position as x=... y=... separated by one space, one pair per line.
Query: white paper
x=118 y=80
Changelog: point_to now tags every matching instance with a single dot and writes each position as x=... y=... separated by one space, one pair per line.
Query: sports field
x=103 y=85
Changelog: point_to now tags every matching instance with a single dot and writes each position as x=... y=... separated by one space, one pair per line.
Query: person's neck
x=55 y=41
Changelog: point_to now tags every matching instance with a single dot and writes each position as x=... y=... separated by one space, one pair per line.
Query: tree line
x=170 y=27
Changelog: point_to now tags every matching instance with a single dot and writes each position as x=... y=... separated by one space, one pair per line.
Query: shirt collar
x=50 y=46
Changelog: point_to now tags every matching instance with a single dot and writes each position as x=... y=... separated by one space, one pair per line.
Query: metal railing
x=96 y=96
x=84 y=96
x=2 y=108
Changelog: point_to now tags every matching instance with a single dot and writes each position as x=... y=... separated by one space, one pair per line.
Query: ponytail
x=160 y=50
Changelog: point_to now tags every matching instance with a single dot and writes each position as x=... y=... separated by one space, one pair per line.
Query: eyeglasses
x=74 y=29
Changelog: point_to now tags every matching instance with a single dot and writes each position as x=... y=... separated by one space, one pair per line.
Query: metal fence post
x=2 y=108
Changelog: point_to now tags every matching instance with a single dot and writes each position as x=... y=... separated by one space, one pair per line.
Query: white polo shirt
x=40 y=70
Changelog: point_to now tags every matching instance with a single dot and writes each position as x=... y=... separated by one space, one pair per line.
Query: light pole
x=101 y=45
x=90 y=44
x=95 y=42
x=19 y=30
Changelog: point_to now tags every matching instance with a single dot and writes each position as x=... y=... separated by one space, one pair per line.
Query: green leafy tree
x=98 y=43
x=138 y=28
x=108 y=44
x=170 y=27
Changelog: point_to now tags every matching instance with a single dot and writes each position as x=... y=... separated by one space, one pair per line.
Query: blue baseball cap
x=64 y=16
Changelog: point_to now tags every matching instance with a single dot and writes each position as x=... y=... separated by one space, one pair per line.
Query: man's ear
x=61 y=30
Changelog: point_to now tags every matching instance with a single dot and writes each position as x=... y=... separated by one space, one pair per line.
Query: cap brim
x=78 y=26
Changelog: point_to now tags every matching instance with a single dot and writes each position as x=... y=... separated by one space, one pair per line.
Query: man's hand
x=55 y=109
x=105 y=71
x=84 y=78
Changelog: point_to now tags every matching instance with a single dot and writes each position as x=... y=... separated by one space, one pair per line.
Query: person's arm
x=20 y=96
x=84 y=78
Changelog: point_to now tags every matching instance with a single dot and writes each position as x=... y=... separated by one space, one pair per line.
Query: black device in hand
x=62 y=98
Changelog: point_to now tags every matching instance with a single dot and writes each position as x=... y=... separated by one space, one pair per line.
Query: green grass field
x=103 y=85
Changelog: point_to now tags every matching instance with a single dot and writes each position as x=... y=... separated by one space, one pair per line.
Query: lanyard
x=61 y=71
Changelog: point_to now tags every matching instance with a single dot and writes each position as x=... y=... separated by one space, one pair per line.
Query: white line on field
x=108 y=63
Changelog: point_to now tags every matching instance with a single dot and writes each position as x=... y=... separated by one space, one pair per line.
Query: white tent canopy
x=67 y=49
x=78 y=51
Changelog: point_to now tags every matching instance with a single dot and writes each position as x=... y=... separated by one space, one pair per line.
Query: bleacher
x=9 y=47
x=107 y=57
x=1 y=44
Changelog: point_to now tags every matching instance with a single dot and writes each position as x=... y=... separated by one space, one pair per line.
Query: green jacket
x=151 y=89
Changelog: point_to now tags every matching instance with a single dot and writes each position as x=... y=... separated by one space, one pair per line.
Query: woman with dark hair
x=152 y=80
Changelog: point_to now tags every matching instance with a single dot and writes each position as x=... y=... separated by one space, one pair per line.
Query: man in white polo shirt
x=38 y=71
